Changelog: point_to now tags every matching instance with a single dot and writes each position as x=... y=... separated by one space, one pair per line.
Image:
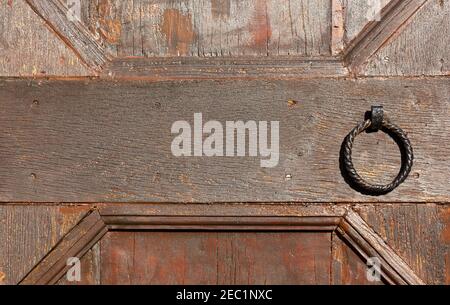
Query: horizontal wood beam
x=107 y=141
x=223 y=68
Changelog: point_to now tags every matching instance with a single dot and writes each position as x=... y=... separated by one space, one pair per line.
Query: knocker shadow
x=348 y=178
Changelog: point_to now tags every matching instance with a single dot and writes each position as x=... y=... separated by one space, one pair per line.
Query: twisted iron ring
x=375 y=123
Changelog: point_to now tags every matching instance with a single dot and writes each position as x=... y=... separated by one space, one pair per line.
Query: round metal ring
x=355 y=180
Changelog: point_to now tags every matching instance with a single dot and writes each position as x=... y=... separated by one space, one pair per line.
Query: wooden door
x=89 y=93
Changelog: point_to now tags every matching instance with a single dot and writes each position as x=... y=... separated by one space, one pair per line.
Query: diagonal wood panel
x=73 y=32
x=29 y=48
x=422 y=48
x=377 y=33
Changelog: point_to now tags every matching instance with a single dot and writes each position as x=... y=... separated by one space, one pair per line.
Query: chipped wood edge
x=369 y=244
x=240 y=217
x=74 y=33
x=377 y=33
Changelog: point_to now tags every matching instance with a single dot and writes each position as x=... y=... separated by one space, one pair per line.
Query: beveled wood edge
x=377 y=33
x=248 y=67
x=74 y=244
x=369 y=244
x=74 y=33
x=346 y=60
x=239 y=217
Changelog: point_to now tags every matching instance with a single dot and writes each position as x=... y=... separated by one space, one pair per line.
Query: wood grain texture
x=419 y=234
x=422 y=48
x=358 y=14
x=73 y=32
x=212 y=27
x=369 y=244
x=27 y=233
x=29 y=48
x=97 y=141
x=89 y=268
x=215 y=258
x=348 y=268
x=193 y=219
x=393 y=18
x=223 y=68
x=75 y=244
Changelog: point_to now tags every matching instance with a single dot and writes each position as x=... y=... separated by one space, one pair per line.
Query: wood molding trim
x=74 y=33
x=223 y=68
x=241 y=217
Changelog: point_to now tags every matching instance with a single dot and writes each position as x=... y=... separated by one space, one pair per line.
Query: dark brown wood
x=98 y=141
x=70 y=147
x=222 y=223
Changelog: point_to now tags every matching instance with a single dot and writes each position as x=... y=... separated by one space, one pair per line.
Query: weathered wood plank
x=98 y=141
x=75 y=244
x=358 y=14
x=27 y=233
x=419 y=234
x=223 y=68
x=29 y=48
x=422 y=48
x=212 y=27
x=394 y=16
x=369 y=244
x=73 y=32
x=215 y=258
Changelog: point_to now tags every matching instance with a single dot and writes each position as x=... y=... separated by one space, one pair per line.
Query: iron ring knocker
x=376 y=122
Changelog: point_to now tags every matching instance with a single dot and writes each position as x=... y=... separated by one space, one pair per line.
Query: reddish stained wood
x=216 y=28
x=89 y=269
x=178 y=30
x=215 y=258
x=347 y=267
x=259 y=26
